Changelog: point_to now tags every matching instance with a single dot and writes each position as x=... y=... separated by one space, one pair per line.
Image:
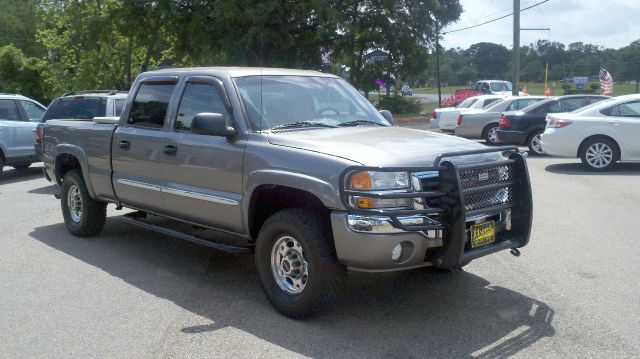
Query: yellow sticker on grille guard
x=483 y=233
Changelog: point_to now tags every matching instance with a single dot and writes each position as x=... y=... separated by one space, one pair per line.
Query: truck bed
x=92 y=142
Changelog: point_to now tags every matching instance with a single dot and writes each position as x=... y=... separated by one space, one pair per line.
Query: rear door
x=137 y=147
x=16 y=137
x=624 y=119
x=203 y=174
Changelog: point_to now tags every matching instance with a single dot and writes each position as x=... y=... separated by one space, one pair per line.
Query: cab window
x=150 y=105
x=198 y=98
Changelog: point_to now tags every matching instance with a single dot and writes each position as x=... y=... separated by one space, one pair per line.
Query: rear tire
x=599 y=154
x=535 y=146
x=1 y=162
x=491 y=135
x=83 y=216
x=297 y=263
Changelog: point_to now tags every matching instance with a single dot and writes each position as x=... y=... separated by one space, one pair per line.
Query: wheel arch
x=267 y=199
x=69 y=158
x=486 y=128
x=584 y=142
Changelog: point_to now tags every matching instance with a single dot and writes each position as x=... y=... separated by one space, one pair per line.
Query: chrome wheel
x=74 y=201
x=492 y=135
x=536 y=144
x=599 y=155
x=289 y=266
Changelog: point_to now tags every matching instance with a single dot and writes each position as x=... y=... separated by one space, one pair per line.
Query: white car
x=437 y=113
x=449 y=119
x=600 y=134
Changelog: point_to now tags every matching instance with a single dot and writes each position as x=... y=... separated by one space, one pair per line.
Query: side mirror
x=387 y=115
x=211 y=124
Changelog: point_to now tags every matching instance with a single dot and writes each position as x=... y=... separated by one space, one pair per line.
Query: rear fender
x=78 y=153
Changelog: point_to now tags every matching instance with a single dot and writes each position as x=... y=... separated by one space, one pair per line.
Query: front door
x=203 y=174
x=137 y=148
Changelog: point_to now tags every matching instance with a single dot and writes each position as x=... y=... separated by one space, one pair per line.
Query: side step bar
x=187 y=237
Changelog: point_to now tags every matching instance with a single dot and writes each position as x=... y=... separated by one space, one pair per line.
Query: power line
x=494 y=20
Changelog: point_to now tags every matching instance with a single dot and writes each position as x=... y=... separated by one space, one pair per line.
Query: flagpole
x=546 y=73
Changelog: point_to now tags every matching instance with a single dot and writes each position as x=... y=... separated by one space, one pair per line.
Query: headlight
x=379 y=181
x=371 y=180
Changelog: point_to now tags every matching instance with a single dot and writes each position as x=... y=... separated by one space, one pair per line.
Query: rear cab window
x=76 y=107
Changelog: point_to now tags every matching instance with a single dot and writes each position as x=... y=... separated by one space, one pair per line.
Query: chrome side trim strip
x=144 y=185
x=179 y=192
x=201 y=196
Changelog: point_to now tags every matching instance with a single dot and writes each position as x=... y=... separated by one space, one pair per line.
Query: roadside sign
x=580 y=81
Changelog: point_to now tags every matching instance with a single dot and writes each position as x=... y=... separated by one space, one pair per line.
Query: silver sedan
x=483 y=124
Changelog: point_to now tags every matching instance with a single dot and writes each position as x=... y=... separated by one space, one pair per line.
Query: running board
x=187 y=237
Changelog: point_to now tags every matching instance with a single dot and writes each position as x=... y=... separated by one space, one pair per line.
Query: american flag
x=606 y=82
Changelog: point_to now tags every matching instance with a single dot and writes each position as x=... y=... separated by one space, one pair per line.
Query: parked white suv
x=19 y=117
x=86 y=105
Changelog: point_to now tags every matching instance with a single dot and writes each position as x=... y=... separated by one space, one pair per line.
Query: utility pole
x=516 y=48
x=438 y=63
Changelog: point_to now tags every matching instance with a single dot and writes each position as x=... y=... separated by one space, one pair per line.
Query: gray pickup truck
x=295 y=166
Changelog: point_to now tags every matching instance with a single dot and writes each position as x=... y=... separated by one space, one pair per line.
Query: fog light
x=396 y=253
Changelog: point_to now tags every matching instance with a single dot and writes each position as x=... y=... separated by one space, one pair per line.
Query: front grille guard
x=451 y=194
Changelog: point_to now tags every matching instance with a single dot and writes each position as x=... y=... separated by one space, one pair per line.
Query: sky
x=609 y=23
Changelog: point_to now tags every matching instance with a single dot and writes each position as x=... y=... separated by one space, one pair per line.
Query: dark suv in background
x=524 y=127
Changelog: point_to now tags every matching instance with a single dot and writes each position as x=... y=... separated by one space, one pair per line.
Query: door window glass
x=34 y=112
x=150 y=106
x=119 y=105
x=490 y=102
x=198 y=98
x=630 y=109
x=572 y=104
x=9 y=110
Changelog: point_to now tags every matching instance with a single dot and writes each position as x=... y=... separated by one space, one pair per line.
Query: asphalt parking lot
x=131 y=293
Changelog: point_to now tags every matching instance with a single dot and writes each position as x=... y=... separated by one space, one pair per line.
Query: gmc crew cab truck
x=296 y=166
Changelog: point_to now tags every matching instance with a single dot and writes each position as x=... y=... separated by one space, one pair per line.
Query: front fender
x=327 y=193
x=78 y=153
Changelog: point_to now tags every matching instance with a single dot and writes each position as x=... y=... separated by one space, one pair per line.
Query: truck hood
x=379 y=146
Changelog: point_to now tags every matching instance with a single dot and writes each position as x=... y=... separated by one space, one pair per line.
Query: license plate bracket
x=482 y=233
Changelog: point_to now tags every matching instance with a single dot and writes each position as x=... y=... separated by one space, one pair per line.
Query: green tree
x=489 y=59
x=404 y=29
x=23 y=75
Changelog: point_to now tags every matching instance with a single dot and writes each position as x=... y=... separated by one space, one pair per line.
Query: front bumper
x=512 y=137
x=443 y=241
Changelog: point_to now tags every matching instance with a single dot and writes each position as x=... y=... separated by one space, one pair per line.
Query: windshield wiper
x=301 y=124
x=360 y=122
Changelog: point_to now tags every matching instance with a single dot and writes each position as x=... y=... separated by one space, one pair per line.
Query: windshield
x=79 y=107
x=500 y=86
x=467 y=102
x=288 y=101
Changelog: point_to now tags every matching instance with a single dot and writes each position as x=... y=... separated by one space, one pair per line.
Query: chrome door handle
x=125 y=145
x=170 y=149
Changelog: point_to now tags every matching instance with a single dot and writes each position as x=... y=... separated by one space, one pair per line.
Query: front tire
x=599 y=154
x=83 y=216
x=535 y=144
x=297 y=263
